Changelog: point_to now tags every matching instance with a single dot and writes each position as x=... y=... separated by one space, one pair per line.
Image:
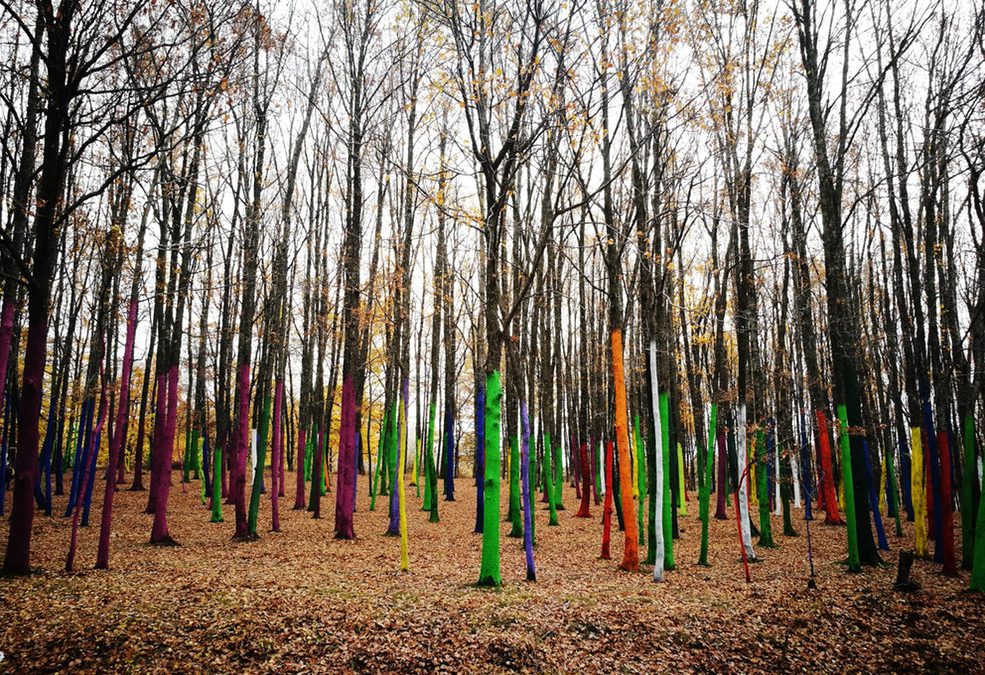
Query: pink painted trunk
x=242 y=445
x=347 y=463
x=116 y=443
x=275 y=469
x=299 y=504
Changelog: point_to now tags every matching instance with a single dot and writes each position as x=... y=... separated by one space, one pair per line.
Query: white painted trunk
x=740 y=434
x=658 y=562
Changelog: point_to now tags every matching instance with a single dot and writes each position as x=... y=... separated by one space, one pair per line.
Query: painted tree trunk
x=489 y=570
x=849 y=491
x=586 y=473
x=528 y=538
x=831 y=514
x=970 y=494
x=743 y=490
x=116 y=443
x=516 y=512
x=480 y=460
x=241 y=449
x=261 y=463
x=401 y=493
x=873 y=497
x=761 y=455
x=920 y=543
x=631 y=554
x=300 y=463
x=88 y=470
x=668 y=506
x=947 y=506
x=657 y=493
x=344 y=496
x=704 y=498
x=721 y=485
x=607 y=503
x=276 y=475
x=549 y=483
x=159 y=530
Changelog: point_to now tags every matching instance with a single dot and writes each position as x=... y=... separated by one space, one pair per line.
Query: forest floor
x=300 y=601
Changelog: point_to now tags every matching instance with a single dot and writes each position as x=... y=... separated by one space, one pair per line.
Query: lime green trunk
x=848 y=490
x=489 y=571
x=667 y=496
x=704 y=497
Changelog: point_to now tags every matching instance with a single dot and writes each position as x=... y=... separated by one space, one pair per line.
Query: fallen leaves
x=301 y=601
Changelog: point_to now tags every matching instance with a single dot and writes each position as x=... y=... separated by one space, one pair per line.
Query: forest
x=417 y=335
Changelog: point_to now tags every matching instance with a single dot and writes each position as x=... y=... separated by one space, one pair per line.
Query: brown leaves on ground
x=301 y=601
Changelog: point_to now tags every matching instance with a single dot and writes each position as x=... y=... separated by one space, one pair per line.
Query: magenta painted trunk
x=6 y=337
x=17 y=558
x=116 y=443
x=156 y=439
x=242 y=445
x=347 y=463
x=275 y=469
x=159 y=531
x=299 y=504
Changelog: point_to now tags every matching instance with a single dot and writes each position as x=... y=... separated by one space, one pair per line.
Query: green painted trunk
x=489 y=570
x=704 y=496
x=251 y=523
x=668 y=525
x=549 y=484
x=848 y=489
x=515 y=515
x=763 y=490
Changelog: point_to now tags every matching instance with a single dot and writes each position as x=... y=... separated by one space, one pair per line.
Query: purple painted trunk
x=6 y=338
x=347 y=463
x=116 y=443
x=276 y=476
x=393 y=528
x=159 y=531
x=242 y=435
x=299 y=504
x=528 y=542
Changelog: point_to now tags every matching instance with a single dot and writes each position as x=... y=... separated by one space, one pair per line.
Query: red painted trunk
x=831 y=513
x=18 y=554
x=116 y=443
x=276 y=476
x=607 y=508
x=586 y=490
x=947 y=505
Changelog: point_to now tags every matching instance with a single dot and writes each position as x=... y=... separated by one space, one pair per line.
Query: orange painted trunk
x=631 y=554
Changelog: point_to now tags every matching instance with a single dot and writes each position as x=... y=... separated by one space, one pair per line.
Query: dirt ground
x=301 y=601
